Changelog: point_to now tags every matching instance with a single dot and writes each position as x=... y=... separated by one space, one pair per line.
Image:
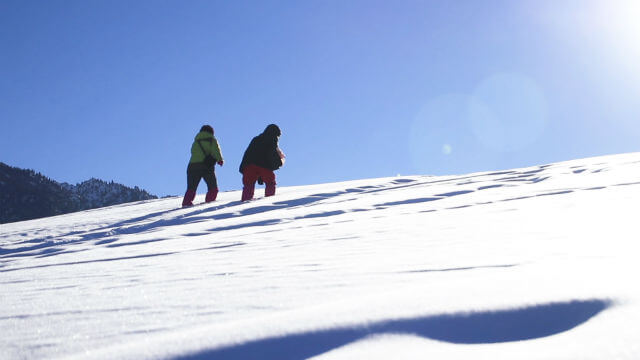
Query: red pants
x=251 y=174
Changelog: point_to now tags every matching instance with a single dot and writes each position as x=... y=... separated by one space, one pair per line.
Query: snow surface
x=534 y=263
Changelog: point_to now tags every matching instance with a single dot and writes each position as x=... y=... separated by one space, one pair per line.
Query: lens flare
x=439 y=127
x=508 y=112
x=447 y=149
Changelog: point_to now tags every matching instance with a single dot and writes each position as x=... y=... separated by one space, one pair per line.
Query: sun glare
x=609 y=29
x=617 y=25
x=620 y=22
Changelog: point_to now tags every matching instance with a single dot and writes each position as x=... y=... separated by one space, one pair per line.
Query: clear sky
x=118 y=89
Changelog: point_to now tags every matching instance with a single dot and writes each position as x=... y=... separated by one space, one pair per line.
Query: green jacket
x=210 y=146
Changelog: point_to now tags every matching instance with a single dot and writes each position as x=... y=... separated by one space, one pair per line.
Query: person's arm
x=216 y=152
x=281 y=154
x=273 y=157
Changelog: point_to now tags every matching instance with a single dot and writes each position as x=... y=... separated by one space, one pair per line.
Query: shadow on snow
x=461 y=328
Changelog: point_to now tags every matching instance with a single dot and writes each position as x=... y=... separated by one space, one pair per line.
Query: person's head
x=207 y=128
x=272 y=130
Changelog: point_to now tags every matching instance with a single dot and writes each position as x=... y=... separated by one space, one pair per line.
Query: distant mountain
x=26 y=194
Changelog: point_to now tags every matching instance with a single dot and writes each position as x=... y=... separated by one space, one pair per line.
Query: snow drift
x=533 y=263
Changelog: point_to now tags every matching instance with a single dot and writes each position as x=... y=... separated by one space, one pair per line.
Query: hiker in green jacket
x=205 y=153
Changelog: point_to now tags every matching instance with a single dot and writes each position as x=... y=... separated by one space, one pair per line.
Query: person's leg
x=211 y=195
x=193 y=178
x=188 y=198
x=212 y=185
x=269 y=179
x=249 y=176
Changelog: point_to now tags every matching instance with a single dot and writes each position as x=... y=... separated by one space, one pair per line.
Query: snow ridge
x=531 y=263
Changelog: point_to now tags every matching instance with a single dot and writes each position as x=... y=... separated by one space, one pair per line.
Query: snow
x=533 y=263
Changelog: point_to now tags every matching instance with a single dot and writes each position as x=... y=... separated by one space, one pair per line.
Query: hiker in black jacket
x=261 y=158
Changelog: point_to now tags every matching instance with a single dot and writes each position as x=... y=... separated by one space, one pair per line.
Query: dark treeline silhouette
x=26 y=194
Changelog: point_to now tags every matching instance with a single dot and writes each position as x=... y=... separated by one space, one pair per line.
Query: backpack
x=209 y=160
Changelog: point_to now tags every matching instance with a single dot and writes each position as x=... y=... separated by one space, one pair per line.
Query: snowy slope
x=534 y=263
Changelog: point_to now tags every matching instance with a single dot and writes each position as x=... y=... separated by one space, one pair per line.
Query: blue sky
x=118 y=89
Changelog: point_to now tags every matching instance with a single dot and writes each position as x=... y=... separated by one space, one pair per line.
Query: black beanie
x=273 y=130
x=207 y=128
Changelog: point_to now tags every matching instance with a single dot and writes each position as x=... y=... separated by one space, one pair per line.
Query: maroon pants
x=250 y=175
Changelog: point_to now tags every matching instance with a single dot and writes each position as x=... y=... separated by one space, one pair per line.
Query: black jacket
x=263 y=152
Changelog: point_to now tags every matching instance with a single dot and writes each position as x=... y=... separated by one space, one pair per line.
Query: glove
x=220 y=162
x=260 y=182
